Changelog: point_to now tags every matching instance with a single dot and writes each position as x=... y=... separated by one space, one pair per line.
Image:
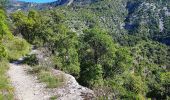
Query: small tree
x=97 y=51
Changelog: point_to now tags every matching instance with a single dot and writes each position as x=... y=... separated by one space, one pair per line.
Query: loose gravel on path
x=26 y=85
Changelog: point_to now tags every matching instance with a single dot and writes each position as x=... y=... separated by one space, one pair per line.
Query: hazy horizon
x=38 y=1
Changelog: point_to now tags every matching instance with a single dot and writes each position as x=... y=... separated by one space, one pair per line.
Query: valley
x=85 y=50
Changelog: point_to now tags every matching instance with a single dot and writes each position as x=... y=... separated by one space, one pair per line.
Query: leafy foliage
x=92 y=43
x=6 y=91
x=4 y=30
x=49 y=79
x=10 y=48
x=31 y=60
x=17 y=48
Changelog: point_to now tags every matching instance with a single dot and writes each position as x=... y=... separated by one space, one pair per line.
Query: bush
x=47 y=77
x=38 y=68
x=3 y=52
x=44 y=75
x=6 y=91
x=17 y=48
x=53 y=98
x=165 y=80
x=135 y=84
x=31 y=60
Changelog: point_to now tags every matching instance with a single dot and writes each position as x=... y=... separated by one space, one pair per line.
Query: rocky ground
x=72 y=90
x=27 y=86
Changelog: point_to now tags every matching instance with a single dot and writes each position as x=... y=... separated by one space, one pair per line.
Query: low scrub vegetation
x=129 y=65
x=11 y=48
x=91 y=42
x=45 y=75
x=17 y=48
x=31 y=60
x=6 y=91
x=43 y=72
x=53 y=98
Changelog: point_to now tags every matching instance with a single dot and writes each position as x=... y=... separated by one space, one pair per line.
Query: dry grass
x=6 y=91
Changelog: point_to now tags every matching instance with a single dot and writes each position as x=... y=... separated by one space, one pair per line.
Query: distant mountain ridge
x=15 y=5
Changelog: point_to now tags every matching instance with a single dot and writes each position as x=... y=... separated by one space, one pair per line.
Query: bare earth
x=26 y=86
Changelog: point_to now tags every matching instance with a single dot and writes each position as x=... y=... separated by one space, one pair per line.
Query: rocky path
x=26 y=86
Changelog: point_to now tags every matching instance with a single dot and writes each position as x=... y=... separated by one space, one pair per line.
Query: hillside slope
x=26 y=6
x=118 y=48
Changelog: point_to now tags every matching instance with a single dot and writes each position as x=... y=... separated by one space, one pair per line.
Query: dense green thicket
x=5 y=88
x=11 y=48
x=16 y=48
x=49 y=31
x=91 y=43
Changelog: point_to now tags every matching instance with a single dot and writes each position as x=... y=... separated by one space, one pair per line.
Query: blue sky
x=38 y=1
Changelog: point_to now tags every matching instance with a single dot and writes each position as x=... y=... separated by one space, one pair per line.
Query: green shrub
x=37 y=69
x=135 y=84
x=165 y=78
x=47 y=77
x=31 y=60
x=6 y=91
x=44 y=75
x=3 y=52
x=53 y=98
x=17 y=48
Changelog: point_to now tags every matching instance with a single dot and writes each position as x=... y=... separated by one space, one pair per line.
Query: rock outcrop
x=70 y=89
